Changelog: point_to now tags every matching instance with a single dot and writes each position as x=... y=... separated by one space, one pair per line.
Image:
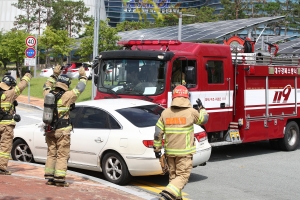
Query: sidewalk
x=27 y=180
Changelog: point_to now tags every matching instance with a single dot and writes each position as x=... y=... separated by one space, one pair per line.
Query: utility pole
x=96 y=37
x=180 y=23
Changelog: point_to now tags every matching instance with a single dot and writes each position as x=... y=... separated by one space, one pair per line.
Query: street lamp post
x=96 y=39
x=180 y=23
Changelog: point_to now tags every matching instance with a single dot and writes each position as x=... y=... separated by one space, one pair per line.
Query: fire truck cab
x=249 y=96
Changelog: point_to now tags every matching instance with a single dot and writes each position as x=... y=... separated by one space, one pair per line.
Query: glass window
x=73 y=113
x=215 y=71
x=113 y=123
x=133 y=77
x=142 y=116
x=92 y=118
x=184 y=73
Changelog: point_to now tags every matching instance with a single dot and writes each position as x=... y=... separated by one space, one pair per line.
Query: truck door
x=216 y=88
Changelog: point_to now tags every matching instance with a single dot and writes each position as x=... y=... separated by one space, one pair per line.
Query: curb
x=29 y=105
x=141 y=194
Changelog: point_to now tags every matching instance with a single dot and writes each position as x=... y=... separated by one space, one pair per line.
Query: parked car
x=46 y=72
x=71 y=70
x=113 y=136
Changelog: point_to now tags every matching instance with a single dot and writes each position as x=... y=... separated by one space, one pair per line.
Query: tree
x=234 y=9
x=14 y=44
x=204 y=14
x=3 y=51
x=56 y=43
x=107 y=40
x=29 y=19
x=69 y=15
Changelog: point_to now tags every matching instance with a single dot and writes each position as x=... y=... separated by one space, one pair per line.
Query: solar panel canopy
x=199 y=31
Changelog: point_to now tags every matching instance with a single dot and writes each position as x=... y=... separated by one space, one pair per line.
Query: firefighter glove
x=158 y=154
x=82 y=73
x=57 y=70
x=199 y=102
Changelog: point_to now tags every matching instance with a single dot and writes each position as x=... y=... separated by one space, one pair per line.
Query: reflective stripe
x=4 y=155
x=189 y=150
x=157 y=143
x=6 y=106
x=17 y=90
x=26 y=78
x=174 y=190
x=49 y=170
x=76 y=91
x=179 y=130
x=66 y=128
x=61 y=109
x=60 y=173
x=7 y=121
x=52 y=80
x=160 y=125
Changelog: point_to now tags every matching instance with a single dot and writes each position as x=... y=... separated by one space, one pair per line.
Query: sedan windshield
x=142 y=116
x=133 y=77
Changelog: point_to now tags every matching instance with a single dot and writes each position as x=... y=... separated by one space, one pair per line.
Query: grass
x=36 y=88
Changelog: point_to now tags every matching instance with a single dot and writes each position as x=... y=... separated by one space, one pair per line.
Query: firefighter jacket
x=67 y=99
x=9 y=96
x=176 y=126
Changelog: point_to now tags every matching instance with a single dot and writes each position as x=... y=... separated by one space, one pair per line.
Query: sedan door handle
x=98 y=140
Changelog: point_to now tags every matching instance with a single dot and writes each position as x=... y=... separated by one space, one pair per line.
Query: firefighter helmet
x=63 y=82
x=64 y=79
x=180 y=91
x=9 y=80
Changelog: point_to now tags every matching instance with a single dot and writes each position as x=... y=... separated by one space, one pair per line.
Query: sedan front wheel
x=115 y=169
x=21 y=151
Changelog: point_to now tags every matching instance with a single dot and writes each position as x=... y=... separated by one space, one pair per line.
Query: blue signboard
x=30 y=52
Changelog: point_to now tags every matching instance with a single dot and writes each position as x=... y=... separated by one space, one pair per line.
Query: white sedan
x=113 y=136
x=46 y=72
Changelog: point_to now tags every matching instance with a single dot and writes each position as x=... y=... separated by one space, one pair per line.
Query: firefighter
x=58 y=133
x=9 y=91
x=178 y=77
x=176 y=126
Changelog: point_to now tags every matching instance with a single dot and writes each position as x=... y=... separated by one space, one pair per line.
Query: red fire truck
x=250 y=96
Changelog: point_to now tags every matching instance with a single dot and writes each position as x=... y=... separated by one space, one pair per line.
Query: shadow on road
x=196 y=177
x=242 y=150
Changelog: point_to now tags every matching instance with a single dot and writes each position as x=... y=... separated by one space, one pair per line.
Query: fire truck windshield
x=132 y=77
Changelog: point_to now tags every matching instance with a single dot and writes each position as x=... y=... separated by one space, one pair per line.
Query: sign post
x=30 y=53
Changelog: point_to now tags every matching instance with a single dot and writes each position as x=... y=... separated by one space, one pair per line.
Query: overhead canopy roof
x=199 y=31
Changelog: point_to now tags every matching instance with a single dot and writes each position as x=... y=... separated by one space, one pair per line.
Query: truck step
x=217 y=144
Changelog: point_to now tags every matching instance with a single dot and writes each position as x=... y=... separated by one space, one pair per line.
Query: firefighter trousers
x=6 y=139
x=179 y=172
x=58 y=153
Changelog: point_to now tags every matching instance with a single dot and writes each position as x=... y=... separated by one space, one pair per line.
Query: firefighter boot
x=50 y=182
x=5 y=172
x=60 y=182
x=166 y=196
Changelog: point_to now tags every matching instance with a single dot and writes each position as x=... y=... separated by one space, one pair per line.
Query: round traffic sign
x=30 y=41
x=30 y=52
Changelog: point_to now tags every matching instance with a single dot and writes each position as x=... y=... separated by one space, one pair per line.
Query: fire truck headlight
x=160 y=57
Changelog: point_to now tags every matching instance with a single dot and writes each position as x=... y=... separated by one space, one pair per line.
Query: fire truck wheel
x=290 y=141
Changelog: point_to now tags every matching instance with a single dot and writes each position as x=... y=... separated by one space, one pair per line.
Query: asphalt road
x=250 y=171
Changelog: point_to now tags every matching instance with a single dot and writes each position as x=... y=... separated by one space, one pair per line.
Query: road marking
x=152 y=187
